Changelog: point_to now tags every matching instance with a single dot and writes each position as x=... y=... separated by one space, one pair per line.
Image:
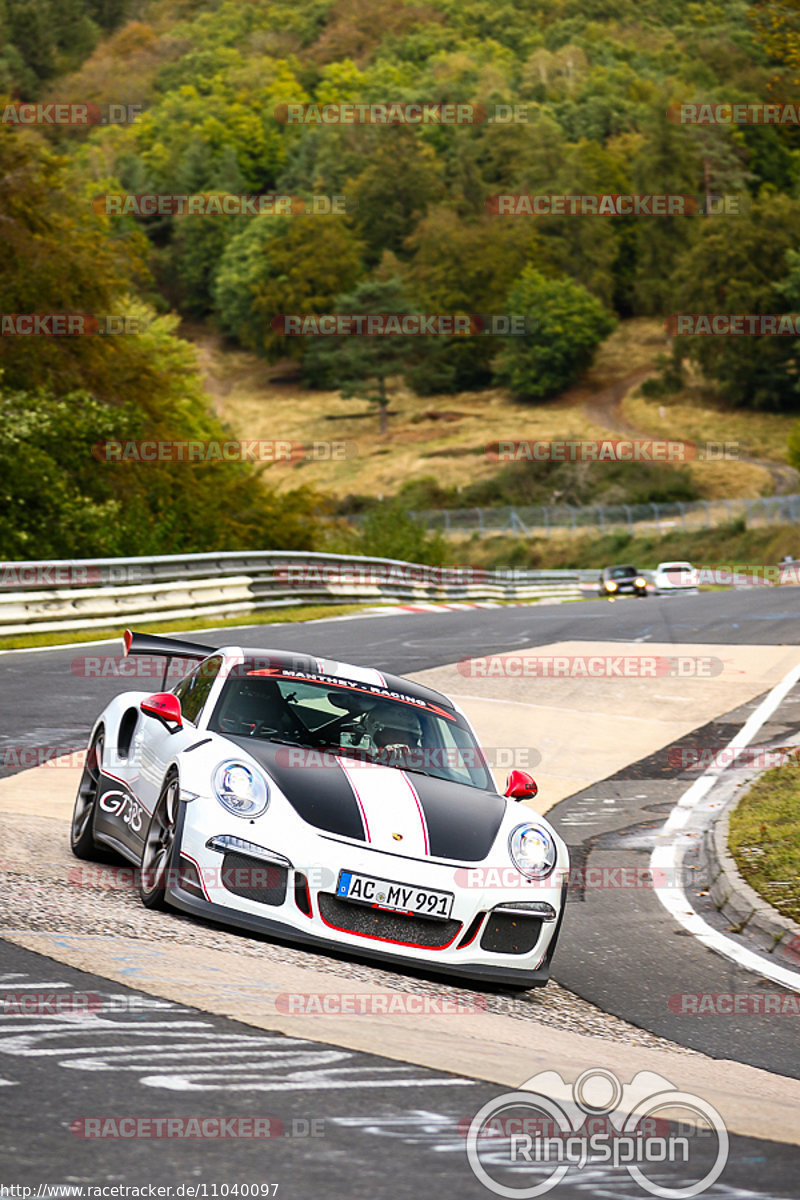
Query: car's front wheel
x=159 y=844
x=81 y=834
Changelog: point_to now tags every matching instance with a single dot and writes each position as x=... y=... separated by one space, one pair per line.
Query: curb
x=747 y=912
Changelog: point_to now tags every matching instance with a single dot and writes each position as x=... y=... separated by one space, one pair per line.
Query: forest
x=387 y=214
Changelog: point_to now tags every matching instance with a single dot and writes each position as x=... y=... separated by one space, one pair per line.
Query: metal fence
x=100 y=593
x=542 y=520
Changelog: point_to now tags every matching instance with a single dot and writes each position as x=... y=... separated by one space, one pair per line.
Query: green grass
x=280 y=616
x=726 y=545
x=764 y=838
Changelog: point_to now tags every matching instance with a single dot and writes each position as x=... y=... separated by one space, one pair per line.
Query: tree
x=362 y=365
x=464 y=266
x=744 y=264
x=395 y=189
x=565 y=326
x=283 y=265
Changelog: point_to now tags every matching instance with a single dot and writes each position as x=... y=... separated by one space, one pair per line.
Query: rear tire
x=159 y=845
x=81 y=834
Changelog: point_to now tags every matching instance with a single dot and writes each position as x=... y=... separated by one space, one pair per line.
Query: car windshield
x=621 y=572
x=348 y=718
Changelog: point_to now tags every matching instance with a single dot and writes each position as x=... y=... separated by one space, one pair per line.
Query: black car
x=622 y=581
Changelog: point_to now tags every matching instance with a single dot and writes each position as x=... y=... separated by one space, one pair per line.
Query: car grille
x=254 y=879
x=510 y=933
x=395 y=927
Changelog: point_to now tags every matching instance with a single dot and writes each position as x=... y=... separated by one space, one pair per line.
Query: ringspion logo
x=548 y=1128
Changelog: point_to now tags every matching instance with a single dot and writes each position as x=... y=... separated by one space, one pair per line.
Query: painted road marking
x=691 y=816
x=150 y=1039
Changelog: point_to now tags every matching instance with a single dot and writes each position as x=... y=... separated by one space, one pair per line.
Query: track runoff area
x=140 y=1048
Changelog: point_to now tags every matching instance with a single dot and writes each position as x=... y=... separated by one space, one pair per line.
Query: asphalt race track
x=400 y=1136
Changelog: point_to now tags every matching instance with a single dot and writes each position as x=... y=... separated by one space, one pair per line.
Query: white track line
x=668 y=857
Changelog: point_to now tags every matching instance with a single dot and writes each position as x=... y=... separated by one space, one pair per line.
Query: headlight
x=611 y=586
x=639 y=582
x=241 y=789
x=532 y=850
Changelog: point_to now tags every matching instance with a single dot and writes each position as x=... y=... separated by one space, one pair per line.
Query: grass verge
x=764 y=838
x=280 y=616
x=726 y=545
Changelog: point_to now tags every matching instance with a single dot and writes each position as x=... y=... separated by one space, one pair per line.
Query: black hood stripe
x=461 y=822
x=321 y=795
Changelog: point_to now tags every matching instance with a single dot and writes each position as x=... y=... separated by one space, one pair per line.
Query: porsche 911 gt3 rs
x=324 y=803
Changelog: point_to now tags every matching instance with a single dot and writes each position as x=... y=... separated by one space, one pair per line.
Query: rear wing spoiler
x=167 y=648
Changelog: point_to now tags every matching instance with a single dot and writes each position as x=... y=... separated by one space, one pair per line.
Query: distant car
x=622 y=581
x=675 y=577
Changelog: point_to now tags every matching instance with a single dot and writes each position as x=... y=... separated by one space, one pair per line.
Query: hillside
x=443 y=438
x=249 y=162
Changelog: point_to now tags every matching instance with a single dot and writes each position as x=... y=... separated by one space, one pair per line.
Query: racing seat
x=254 y=704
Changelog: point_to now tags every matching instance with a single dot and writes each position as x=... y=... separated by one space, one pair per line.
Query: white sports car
x=324 y=803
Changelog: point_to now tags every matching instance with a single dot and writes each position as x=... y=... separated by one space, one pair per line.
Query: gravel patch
x=44 y=889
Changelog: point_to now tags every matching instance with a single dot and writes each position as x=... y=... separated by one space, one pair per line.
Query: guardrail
x=98 y=593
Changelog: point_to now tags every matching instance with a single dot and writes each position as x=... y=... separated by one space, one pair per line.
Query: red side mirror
x=165 y=707
x=521 y=786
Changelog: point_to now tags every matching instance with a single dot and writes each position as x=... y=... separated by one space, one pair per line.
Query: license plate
x=397 y=897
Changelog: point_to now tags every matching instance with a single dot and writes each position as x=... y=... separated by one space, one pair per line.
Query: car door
x=124 y=816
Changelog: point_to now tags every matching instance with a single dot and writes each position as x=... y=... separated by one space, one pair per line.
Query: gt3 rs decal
x=120 y=814
x=123 y=805
x=389 y=805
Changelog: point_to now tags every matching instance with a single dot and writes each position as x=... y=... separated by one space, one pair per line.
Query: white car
x=675 y=577
x=324 y=803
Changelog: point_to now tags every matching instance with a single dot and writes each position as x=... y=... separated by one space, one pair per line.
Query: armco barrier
x=94 y=593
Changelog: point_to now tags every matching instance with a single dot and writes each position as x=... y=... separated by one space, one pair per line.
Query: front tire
x=159 y=845
x=81 y=834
